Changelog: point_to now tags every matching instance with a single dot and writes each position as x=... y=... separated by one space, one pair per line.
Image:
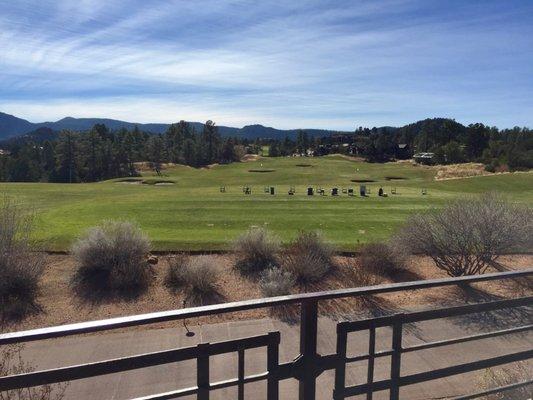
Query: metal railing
x=308 y=365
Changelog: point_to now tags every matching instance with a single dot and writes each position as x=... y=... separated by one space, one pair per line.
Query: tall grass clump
x=176 y=265
x=256 y=250
x=113 y=257
x=197 y=276
x=309 y=257
x=276 y=282
x=195 y=273
x=20 y=266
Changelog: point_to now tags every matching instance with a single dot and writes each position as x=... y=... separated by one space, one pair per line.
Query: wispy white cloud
x=331 y=63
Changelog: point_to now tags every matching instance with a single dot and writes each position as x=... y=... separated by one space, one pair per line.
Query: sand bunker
x=134 y=181
x=140 y=181
x=158 y=182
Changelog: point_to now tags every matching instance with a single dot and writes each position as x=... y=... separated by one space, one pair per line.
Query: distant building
x=424 y=158
x=402 y=151
x=4 y=152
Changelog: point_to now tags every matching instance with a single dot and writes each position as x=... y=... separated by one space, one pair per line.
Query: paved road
x=65 y=351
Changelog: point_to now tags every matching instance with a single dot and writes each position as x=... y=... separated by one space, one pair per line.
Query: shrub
x=382 y=259
x=20 y=267
x=113 y=256
x=276 y=282
x=11 y=363
x=176 y=264
x=196 y=274
x=309 y=257
x=256 y=250
x=468 y=235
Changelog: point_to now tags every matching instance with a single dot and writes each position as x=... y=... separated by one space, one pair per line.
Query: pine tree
x=67 y=158
x=210 y=142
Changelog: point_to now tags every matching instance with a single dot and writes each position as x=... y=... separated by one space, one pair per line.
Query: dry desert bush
x=468 y=235
x=21 y=266
x=276 y=282
x=113 y=257
x=197 y=276
x=309 y=257
x=199 y=273
x=256 y=250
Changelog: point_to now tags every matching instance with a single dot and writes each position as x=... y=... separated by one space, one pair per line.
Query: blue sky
x=289 y=64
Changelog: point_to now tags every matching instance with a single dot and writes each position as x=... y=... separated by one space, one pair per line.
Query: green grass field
x=192 y=214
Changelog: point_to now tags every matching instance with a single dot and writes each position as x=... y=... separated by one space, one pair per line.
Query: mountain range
x=11 y=126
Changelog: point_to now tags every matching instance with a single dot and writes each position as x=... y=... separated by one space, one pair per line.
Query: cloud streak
x=330 y=64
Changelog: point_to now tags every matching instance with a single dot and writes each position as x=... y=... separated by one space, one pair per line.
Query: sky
x=289 y=64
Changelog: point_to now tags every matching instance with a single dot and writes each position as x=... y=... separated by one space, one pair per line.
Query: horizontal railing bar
x=463 y=368
x=495 y=390
x=194 y=390
x=363 y=388
x=438 y=373
x=364 y=357
x=426 y=315
x=174 y=394
x=105 y=367
x=165 y=316
x=229 y=346
x=463 y=339
x=234 y=381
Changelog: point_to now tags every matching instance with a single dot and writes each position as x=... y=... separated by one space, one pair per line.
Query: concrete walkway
x=90 y=348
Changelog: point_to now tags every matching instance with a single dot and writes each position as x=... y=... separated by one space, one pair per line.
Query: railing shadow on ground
x=306 y=367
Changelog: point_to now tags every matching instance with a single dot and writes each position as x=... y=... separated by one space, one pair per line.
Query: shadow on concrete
x=491 y=320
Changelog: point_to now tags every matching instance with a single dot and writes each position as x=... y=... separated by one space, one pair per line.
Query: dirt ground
x=61 y=305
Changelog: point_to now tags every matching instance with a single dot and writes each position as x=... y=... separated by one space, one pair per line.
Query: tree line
x=449 y=141
x=101 y=154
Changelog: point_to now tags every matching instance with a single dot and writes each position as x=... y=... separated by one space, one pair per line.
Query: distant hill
x=11 y=126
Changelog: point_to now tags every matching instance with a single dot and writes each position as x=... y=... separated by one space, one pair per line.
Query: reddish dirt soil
x=61 y=305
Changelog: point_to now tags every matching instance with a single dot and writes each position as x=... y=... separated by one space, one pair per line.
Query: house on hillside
x=424 y=158
x=402 y=151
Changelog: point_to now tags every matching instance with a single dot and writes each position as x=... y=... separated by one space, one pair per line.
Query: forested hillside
x=102 y=153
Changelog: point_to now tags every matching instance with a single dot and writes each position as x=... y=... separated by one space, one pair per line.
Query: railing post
x=240 y=374
x=396 y=357
x=308 y=346
x=340 y=369
x=272 y=366
x=371 y=356
x=202 y=371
